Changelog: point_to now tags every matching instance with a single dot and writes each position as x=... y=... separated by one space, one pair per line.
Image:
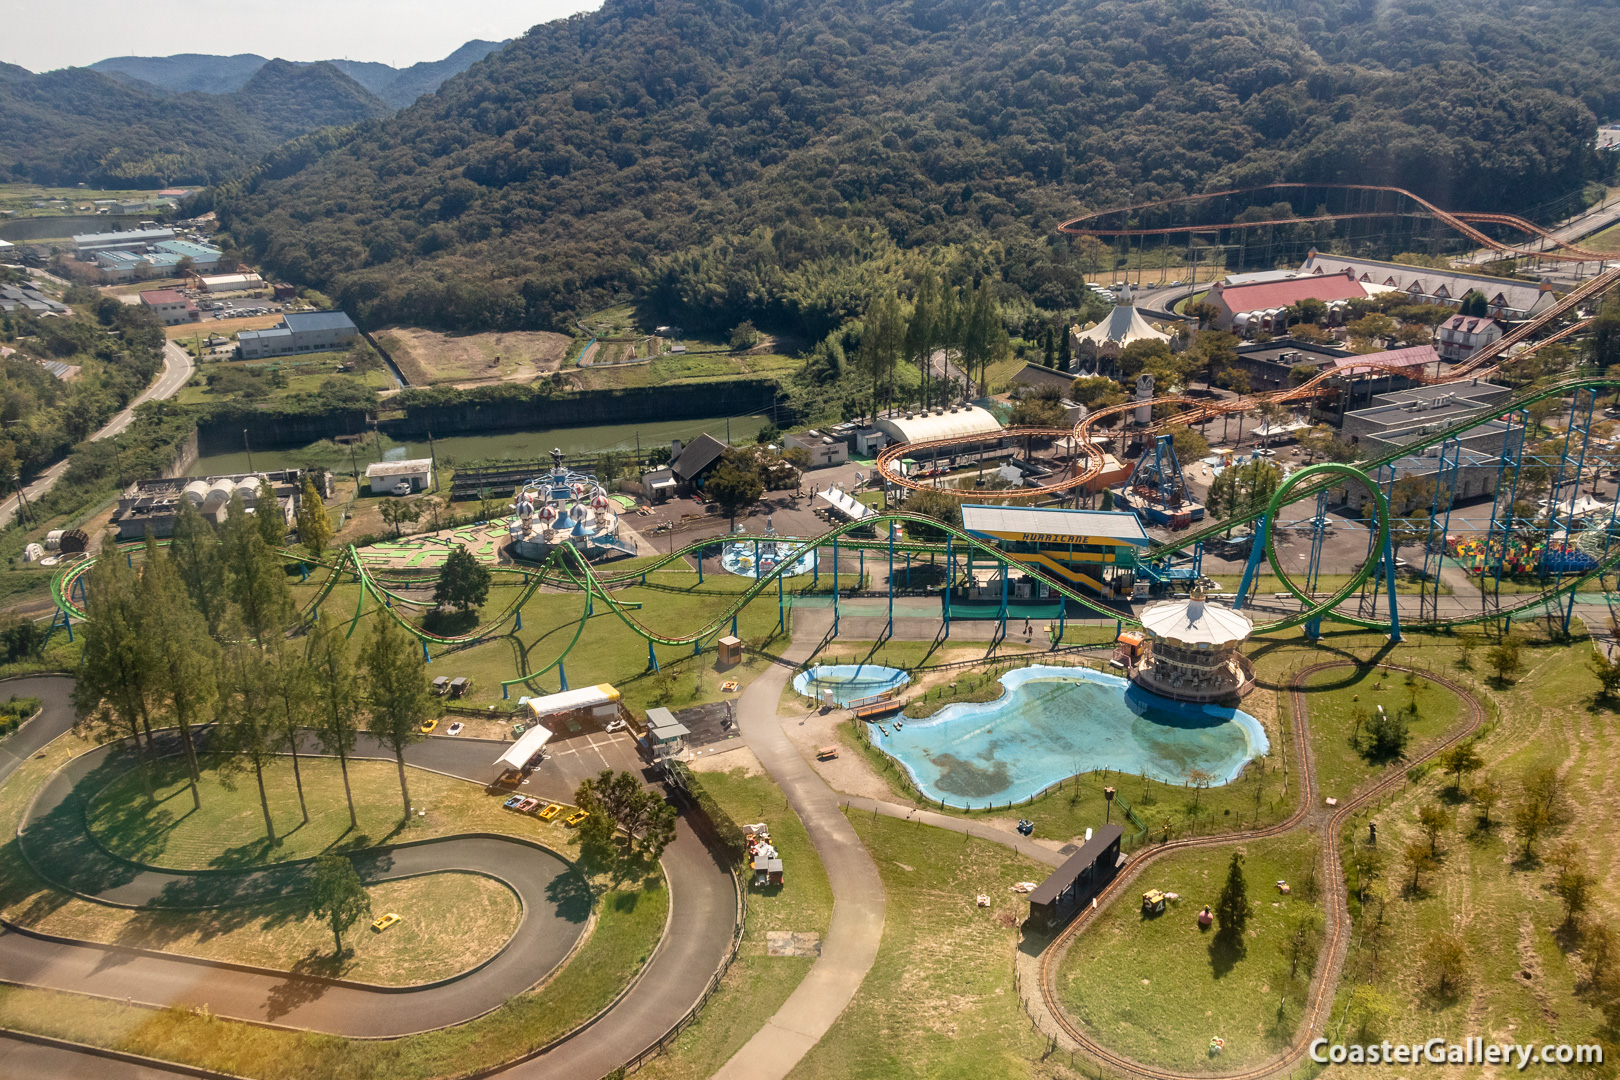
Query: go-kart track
x=702 y=891
x=54 y=839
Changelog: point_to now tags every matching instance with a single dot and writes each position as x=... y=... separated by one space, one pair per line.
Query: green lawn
x=1607 y=240
x=939 y=1001
x=1157 y=988
x=228 y=831
x=1333 y=697
x=757 y=984
x=673 y=605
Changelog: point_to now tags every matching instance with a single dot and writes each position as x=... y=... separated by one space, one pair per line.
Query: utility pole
x=248 y=448
x=22 y=500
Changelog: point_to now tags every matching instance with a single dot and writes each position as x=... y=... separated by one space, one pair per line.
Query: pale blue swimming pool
x=1054 y=722
x=848 y=682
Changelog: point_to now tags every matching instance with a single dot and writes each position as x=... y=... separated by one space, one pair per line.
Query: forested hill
x=764 y=158
x=227 y=74
x=77 y=125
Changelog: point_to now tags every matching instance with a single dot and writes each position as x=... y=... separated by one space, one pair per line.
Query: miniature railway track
x=1336 y=944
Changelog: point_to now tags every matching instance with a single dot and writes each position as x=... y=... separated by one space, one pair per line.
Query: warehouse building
x=150 y=506
x=315 y=331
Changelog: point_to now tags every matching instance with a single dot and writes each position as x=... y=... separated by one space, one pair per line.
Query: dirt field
x=428 y=357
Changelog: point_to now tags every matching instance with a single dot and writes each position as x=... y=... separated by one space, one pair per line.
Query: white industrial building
x=824 y=450
x=384 y=476
x=222 y=283
x=956 y=422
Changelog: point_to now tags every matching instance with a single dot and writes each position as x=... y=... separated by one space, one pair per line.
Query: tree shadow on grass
x=1226 y=948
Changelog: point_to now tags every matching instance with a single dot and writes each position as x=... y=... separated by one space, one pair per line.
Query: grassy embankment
x=1526 y=974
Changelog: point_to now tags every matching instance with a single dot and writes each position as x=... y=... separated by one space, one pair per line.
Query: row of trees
x=199 y=640
x=963 y=322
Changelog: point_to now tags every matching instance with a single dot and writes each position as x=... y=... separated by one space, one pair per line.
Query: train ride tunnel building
x=1094 y=550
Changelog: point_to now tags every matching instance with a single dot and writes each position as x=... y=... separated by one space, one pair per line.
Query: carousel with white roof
x=1193 y=650
x=564 y=507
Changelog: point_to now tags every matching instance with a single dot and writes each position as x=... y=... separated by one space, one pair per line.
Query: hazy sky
x=41 y=36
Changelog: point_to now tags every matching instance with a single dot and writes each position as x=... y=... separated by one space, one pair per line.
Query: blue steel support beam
x=1257 y=549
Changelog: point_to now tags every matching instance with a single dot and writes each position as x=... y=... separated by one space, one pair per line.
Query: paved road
x=702 y=894
x=177 y=368
x=859 y=902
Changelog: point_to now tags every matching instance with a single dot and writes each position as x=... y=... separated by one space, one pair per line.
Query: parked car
x=616 y=725
x=401 y=488
x=385 y=922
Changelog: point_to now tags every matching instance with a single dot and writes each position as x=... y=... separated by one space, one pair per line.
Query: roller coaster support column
x=652 y=657
x=1313 y=570
x=426 y=658
x=700 y=568
x=303 y=572
x=562 y=676
x=949 y=583
x=1004 y=576
x=1445 y=484
x=835 y=587
x=781 y=613
x=890 y=631
x=519 y=624
x=1389 y=585
x=1257 y=552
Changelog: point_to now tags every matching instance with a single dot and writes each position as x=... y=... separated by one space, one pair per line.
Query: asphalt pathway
x=703 y=904
x=859 y=901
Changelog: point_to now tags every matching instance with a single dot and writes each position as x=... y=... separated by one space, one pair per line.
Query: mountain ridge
x=764 y=159
x=221 y=74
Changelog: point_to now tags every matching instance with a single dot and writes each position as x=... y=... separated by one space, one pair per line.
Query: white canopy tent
x=568 y=701
x=1122 y=326
x=530 y=743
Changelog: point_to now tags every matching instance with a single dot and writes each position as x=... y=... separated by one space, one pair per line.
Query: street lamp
x=1108 y=805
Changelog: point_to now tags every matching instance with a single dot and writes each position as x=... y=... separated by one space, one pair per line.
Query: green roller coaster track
x=567 y=570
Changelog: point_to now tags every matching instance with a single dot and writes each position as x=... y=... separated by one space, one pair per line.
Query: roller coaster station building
x=1092 y=549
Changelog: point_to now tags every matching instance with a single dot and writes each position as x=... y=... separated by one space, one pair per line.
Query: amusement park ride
x=563 y=519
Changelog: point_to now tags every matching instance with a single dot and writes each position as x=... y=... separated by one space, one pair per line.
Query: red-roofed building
x=170 y=307
x=1461 y=336
x=1247 y=308
x=1415 y=356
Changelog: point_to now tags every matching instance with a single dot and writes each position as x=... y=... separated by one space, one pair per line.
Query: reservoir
x=580 y=444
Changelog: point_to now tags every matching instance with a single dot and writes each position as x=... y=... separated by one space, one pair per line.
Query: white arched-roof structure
x=1196 y=623
x=956 y=422
x=1122 y=326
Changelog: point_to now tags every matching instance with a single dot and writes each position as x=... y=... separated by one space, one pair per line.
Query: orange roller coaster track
x=1461 y=221
x=1484 y=363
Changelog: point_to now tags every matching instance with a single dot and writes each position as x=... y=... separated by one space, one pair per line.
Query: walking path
x=859 y=902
